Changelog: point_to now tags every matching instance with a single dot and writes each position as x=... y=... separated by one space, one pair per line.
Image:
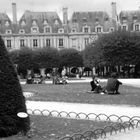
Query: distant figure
x=113 y=84
x=95 y=86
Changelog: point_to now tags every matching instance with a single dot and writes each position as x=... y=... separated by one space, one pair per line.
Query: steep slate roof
x=129 y=16
x=3 y=18
x=29 y=16
x=91 y=19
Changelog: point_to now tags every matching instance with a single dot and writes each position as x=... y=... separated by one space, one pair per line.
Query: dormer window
x=21 y=31
x=86 y=29
x=61 y=30
x=7 y=23
x=23 y=23
x=74 y=20
x=135 y=17
x=45 y=22
x=124 y=19
x=136 y=27
x=34 y=29
x=97 y=20
x=73 y=30
x=8 y=31
x=47 y=29
x=34 y=23
x=106 y=19
x=111 y=29
x=56 y=22
x=124 y=27
x=84 y=20
x=98 y=29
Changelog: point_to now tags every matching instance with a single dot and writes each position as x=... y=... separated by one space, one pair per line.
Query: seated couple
x=111 y=87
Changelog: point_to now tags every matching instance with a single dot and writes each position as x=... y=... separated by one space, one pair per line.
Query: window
x=45 y=22
x=61 y=31
x=35 y=43
x=34 y=22
x=111 y=29
x=86 y=41
x=22 y=43
x=73 y=30
x=61 y=42
x=8 y=31
x=73 y=42
x=21 y=31
x=86 y=30
x=47 y=29
x=9 y=44
x=23 y=23
x=7 y=23
x=34 y=29
x=98 y=29
x=137 y=27
x=97 y=20
x=84 y=20
x=124 y=27
x=56 y=22
x=135 y=17
x=48 y=43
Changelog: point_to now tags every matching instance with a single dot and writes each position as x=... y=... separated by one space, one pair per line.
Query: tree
x=70 y=58
x=46 y=58
x=120 y=48
x=92 y=56
x=12 y=100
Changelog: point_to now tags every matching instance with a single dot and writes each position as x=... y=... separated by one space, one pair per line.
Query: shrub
x=12 y=100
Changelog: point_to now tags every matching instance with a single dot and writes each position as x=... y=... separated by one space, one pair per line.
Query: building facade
x=45 y=29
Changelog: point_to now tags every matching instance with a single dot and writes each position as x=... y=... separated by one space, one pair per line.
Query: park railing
x=119 y=123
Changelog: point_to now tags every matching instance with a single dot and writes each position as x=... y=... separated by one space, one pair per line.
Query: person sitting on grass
x=113 y=85
x=95 y=86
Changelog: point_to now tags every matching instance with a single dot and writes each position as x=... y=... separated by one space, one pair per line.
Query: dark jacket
x=113 y=85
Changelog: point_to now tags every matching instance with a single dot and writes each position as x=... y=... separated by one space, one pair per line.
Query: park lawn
x=77 y=93
x=50 y=128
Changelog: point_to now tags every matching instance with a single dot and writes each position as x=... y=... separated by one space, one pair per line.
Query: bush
x=12 y=100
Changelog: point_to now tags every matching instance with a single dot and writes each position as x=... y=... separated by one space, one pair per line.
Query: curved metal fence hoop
x=89 y=134
x=70 y=113
x=128 y=125
x=53 y=112
x=110 y=127
x=37 y=110
x=78 y=135
x=112 y=116
x=98 y=116
x=90 y=114
x=120 y=119
x=30 y=110
x=99 y=132
x=135 y=122
x=135 y=117
x=78 y=115
x=45 y=110
x=63 y=113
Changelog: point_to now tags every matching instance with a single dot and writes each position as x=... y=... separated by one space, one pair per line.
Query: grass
x=77 y=92
x=49 y=128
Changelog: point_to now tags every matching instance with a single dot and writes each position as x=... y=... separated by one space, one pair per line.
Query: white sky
x=73 y=5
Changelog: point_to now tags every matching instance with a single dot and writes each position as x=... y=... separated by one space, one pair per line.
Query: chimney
x=14 y=10
x=65 y=15
x=114 y=11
